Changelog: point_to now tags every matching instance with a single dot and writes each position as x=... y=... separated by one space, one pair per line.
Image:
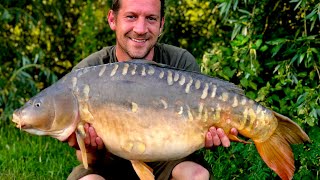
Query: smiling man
x=136 y=30
x=138 y=24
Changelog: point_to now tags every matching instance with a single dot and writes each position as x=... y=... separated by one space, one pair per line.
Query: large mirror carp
x=145 y=112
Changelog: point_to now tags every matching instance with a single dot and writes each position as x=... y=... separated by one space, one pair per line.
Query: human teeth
x=139 y=40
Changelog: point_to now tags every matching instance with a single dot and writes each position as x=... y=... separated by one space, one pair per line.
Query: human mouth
x=138 y=40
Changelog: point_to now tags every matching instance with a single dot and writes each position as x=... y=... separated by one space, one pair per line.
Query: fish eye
x=37 y=104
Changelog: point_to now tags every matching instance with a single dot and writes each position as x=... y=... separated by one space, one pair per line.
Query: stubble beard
x=131 y=52
x=142 y=55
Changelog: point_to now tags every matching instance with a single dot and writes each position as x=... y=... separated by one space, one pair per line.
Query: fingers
x=234 y=131
x=72 y=141
x=208 y=140
x=223 y=138
x=92 y=140
x=217 y=137
x=100 y=144
x=92 y=136
x=212 y=138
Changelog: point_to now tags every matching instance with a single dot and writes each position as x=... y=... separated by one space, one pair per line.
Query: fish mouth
x=22 y=125
x=16 y=119
x=28 y=128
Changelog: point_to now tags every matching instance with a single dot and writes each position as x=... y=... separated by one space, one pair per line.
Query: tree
x=268 y=48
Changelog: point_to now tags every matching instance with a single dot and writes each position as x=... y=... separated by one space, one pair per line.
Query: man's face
x=137 y=26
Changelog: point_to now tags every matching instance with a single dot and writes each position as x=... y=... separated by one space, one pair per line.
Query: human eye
x=151 y=18
x=130 y=17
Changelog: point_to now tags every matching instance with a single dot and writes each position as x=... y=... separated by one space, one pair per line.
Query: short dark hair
x=116 y=6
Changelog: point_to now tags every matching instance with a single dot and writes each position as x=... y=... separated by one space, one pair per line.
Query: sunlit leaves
x=269 y=48
x=191 y=24
x=93 y=25
x=272 y=52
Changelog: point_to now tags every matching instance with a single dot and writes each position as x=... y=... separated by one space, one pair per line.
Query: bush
x=269 y=48
x=272 y=53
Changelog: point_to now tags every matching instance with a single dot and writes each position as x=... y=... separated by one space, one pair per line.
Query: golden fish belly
x=147 y=134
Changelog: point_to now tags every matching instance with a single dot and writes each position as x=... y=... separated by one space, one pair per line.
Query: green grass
x=26 y=156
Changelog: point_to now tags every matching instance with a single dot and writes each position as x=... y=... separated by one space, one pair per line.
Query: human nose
x=140 y=26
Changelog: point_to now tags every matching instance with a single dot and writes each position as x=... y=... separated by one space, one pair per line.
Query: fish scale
x=145 y=111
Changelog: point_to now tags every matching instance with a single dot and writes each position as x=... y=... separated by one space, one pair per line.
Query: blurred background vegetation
x=270 y=48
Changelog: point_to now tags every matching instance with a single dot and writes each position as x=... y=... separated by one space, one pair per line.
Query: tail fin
x=276 y=151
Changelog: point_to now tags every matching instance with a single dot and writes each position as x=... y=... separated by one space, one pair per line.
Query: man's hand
x=92 y=141
x=216 y=137
x=94 y=144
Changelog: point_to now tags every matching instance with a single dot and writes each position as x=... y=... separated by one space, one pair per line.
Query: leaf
x=276 y=49
x=228 y=72
x=277 y=41
x=313 y=113
x=25 y=60
x=301 y=98
x=303 y=38
x=318 y=111
x=235 y=4
x=236 y=30
x=301 y=57
x=275 y=97
x=258 y=43
x=298 y=4
x=244 y=82
x=36 y=58
x=302 y=74
x=253 y=85
x=60 y=18
x=264 y=48
x=25 y=75
x=310 y=121
x=276 y=68
x=311 y=14
x=251 y=94
x=244 y=11
x=312 y=74
x=6 y=15
x=295 y=57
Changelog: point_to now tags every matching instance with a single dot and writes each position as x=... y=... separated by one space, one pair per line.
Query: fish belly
x=148 y=135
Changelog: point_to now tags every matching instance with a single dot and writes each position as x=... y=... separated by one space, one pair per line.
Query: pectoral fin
x=80 y=134
x=236 y=139
x=143 y=170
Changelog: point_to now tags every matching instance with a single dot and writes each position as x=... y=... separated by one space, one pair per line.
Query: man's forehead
x=151 y=7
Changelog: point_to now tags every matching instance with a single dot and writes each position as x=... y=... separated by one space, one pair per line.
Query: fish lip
x=17 y=120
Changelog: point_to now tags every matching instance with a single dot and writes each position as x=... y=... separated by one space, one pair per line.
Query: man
x=138 y=24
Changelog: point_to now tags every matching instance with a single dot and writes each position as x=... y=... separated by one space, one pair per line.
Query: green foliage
x=269 y=48
x=93 y=30
x=190 y=24
x=40 y=41
x=272 y=52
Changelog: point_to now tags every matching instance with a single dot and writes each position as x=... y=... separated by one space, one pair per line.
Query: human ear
x=112 y=19
x=161 y=24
